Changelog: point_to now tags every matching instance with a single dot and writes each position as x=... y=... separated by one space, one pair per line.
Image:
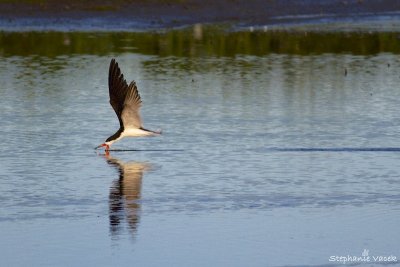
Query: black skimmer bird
x=126 y=102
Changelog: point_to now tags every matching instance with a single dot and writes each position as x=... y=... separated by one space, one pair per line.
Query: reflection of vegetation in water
x=195 y=42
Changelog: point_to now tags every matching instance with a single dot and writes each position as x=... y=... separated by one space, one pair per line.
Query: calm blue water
x=237 y=178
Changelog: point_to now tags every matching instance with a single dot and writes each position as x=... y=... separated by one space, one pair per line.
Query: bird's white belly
x=135 y=132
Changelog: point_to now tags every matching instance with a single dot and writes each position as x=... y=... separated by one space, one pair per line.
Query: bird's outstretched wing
x=130 y=113
x=124 y=99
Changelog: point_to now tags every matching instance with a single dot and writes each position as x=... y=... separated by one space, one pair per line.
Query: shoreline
x=326 y=15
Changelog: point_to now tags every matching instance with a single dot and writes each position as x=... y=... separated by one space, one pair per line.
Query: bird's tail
x=153 y=133
x=157 y=132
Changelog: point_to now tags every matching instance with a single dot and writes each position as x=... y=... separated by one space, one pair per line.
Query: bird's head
x=100 y=146
x=106 y=145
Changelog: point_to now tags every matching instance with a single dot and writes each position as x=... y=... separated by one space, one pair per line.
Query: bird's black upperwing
x=118 y=89
x=124 y=99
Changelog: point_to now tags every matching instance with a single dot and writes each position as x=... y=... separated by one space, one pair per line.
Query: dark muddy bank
x=152 y=14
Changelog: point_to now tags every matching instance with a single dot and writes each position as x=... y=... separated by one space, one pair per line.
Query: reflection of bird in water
x=126 y=103
x=125 y=195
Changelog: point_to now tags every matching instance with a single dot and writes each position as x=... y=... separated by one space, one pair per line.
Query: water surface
x=272 y=154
